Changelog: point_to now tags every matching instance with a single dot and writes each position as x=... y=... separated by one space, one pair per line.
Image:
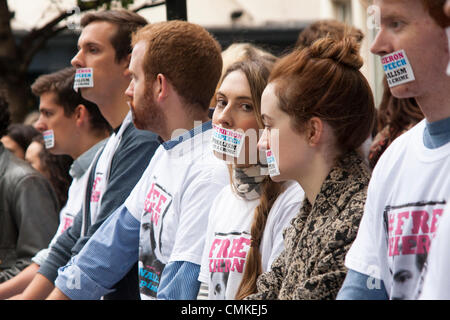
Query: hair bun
x=345 y=51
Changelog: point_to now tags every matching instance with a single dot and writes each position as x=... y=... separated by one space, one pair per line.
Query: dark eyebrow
x=90 y=43
x=392 y=16
x=237 y=98
x=44 y=109
x=243 y=98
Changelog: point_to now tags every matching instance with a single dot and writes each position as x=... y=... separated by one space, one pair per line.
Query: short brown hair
x=186 y=54
x=436 y=11
x=324 y=81
x=127 y=22
x=327 y=28
x=61 y=84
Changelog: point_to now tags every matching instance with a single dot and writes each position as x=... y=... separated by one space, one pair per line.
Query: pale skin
x=111 y=78
x=406 y=25
x=305 y=157
x=234 y=110
x=13 y=146
x=73 y=133
x=32 y=156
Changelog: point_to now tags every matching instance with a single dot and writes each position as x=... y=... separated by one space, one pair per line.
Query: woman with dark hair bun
x=317 y=110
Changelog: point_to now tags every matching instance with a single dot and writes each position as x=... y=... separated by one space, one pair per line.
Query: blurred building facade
x=272 y=24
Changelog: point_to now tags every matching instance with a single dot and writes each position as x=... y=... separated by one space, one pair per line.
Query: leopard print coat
x=318 y=238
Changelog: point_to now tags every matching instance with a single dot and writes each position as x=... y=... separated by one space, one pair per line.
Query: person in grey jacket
x=28 y=208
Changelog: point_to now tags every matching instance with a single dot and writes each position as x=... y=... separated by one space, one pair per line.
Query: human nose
x=129 y=92
x=382 y=45
x=224 y=117
x=40 y=125
x=263 y=143
x=77 y=61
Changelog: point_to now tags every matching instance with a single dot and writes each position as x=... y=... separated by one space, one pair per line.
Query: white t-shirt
x=102 y=172
x=437 y=280
x=67 y=214
x=228 y=238
x=172 y=202
x=407 y=193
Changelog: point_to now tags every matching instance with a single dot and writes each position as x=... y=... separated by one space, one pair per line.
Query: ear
x=314 y=131
x=81 y=115
x=161 y=87
x=126 y=65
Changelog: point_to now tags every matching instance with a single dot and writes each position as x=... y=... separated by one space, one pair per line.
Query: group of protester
x=237 y=174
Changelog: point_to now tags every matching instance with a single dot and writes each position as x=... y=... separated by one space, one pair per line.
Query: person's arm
x=18 y=284
x=60 y=251
x=57 y=294
x=38 y=289
x=127 y=167
x=130 y=160
x=179 y=281
x=104 y=260
x=203 y=291
x=358 y=286
x=36 y=217
x=185 y=260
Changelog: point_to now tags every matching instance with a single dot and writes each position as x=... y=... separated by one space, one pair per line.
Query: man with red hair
x=409 y=186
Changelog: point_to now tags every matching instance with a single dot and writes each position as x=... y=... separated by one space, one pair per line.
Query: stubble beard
x=147 y=116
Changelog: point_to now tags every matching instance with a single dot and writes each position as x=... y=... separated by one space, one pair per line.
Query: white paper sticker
x=397 y=68
x=227 y=141
x=49 y=139
x=272 y=164
x=84 y=78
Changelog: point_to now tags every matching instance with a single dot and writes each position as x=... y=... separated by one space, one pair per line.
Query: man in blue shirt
x=175 y=67
x=104 y=46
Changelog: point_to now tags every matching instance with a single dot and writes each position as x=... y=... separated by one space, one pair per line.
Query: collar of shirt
x=437 y=133
x=81 y=164
x=168 y=145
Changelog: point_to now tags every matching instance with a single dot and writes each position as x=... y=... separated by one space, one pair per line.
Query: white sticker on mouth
x=84 y=78
x=272 y=163
x=49 y=139
x=227 y=141
x=397 y=68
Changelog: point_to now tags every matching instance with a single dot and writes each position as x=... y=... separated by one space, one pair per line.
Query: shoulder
x=398 y=148
x=208 y=168
x=133 y=137
x=137 y=144
x=292 y=194
x=19 y=171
